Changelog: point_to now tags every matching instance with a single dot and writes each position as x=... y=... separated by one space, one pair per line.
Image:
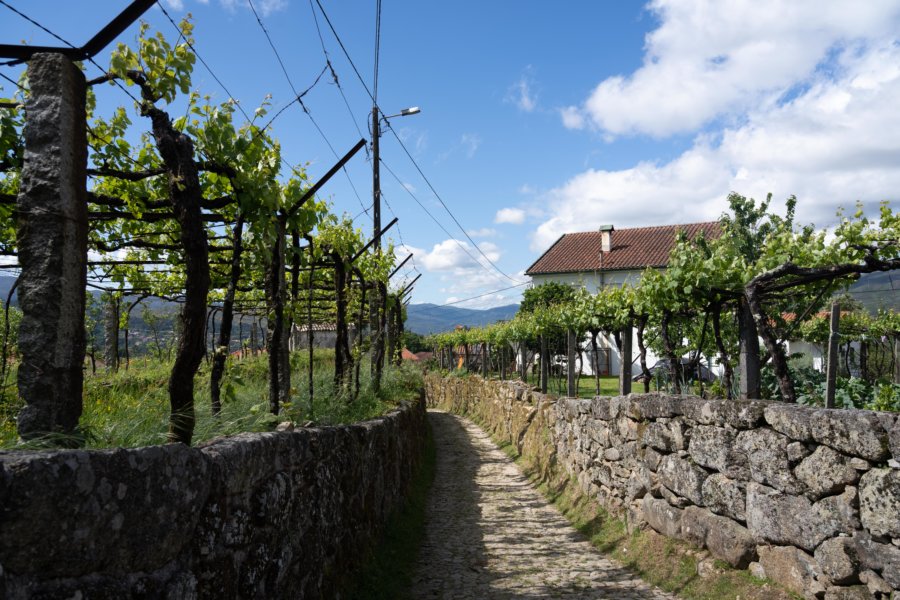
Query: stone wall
x=264 y=515
x=808 y=497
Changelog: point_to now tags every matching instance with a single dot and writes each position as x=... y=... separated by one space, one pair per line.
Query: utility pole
x=376 y=318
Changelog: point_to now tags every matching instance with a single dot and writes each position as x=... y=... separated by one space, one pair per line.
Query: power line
x=441 y=200
x=485 y=294
x=334 y=76
x=344 y=49
x=438 y=223
x=298 y=98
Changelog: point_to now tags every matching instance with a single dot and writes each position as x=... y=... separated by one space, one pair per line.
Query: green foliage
x=545 y=295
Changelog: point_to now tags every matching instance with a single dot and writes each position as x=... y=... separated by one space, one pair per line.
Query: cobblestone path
x=491 y=535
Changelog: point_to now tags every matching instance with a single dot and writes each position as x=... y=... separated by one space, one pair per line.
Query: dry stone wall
x=265 y=515
x=808 y=497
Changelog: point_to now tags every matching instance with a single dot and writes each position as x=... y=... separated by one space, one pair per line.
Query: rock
x=740 y=414
x=879 y=502
x=628 y=429
x=667 y=436
x=790 y=419
x=285 y=426
x=894 y=440
x=757 y=570
x=724 y=538
x=724 y=496
x=766 y=453
x=682 y=477
x=860 y=464
x=652 y=459
x=854 y=432
x=779 y=518
x=792 y=568
x=663 y=518
x=857 y=592
x=839 y=559
x=654 y=406
x=711 y=446
x=599 y=432
x=797 y=451
x=612 y=454
x=839 y=513
x=825 y=472
x=605 y=408
x=673 y=498
x=874 y=583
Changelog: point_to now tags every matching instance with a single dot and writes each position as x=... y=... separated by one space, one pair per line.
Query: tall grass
x=131 y=408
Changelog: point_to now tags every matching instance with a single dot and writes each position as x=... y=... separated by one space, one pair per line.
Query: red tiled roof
x=634 y=248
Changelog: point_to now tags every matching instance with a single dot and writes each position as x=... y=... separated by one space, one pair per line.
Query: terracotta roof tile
x=634 y=248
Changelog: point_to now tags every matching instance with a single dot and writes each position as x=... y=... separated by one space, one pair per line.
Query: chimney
x=606 y=237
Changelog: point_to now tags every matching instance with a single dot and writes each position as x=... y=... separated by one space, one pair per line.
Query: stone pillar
x=625 y=362
x=52 y=243
x=748 y=368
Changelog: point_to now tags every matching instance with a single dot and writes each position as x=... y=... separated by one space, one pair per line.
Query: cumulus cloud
x=516 y=216
x=522 y=93
x=834 y=142
x=707 y=60
x=462 y=271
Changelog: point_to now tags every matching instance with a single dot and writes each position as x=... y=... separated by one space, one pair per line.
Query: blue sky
x=539 y=119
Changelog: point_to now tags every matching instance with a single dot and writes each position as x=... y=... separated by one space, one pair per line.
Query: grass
x=388 y=570
x=130 y=408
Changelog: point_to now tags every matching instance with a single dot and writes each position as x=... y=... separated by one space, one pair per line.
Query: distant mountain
x=431 y=318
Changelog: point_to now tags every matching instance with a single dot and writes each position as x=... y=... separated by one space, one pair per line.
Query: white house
x=611 y=257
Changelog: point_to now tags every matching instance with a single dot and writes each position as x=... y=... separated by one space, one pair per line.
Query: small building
x=324 y=335
x=611 y=257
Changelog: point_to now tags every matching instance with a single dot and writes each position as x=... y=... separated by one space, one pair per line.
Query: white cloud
x=409 y=187
x=712 y=59
x=175 y=4
x=835 y=142
x=572 y=118
x=483 y=232
x=516 y=216
x=461 y=269
x=521 y=93
x=470 y=142
x=265 y=7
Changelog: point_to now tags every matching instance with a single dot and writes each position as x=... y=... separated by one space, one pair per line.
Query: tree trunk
x=343 y=360
x=669 y=351
x=221 y=353
x=595 y=360
x=279 y=371
x=177 y=152
x=776 y=350
x=641 y=325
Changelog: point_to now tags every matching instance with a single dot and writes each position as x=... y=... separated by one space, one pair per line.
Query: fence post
x=625 y=362
x=571 y=389
x=833 y=339
x=748 y=369
x=52 y=242
x=545 y=364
